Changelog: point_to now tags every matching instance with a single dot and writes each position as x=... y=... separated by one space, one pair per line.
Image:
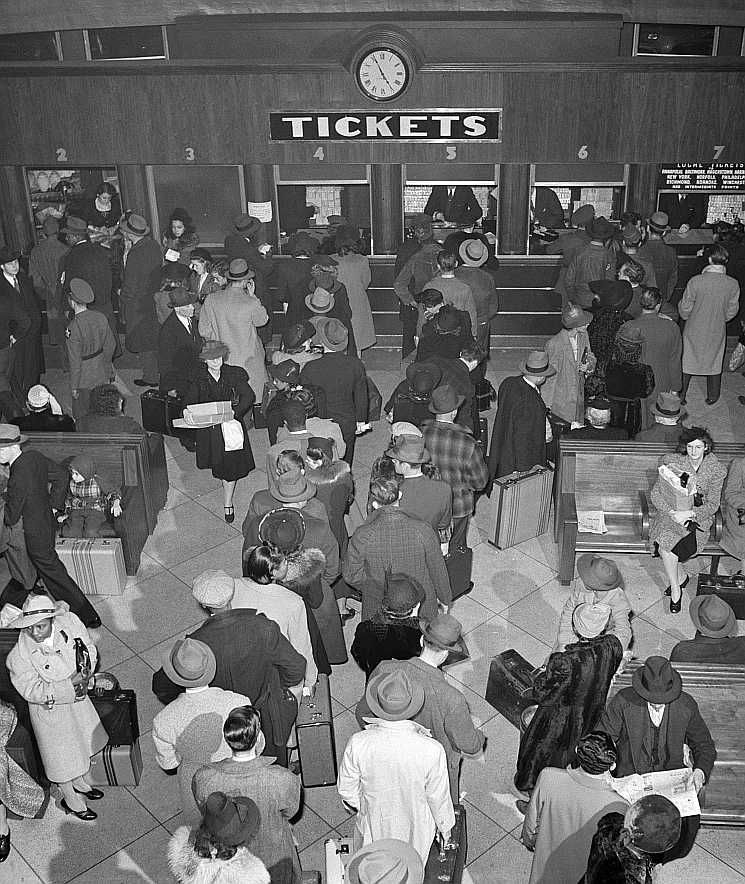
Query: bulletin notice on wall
x=703 y=177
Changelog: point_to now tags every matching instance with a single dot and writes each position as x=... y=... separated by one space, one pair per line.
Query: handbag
x=686 y=546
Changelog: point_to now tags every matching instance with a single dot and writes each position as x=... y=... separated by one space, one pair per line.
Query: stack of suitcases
x=120 y=762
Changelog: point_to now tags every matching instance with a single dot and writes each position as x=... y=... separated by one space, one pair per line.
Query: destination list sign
x=415 y=125
x=703 y=176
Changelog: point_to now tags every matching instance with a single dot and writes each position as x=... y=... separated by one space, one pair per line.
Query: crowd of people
x=202 y=331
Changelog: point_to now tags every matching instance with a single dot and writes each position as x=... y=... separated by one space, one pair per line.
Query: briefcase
x=729 y=589
x=459 y=563
x=315 y=737
x=485 y=394
x=116 y=766
x=510 y=686
x=159 y=410
x=520 y=506
x=118 y=713
x=447 y=865
x=96 y=565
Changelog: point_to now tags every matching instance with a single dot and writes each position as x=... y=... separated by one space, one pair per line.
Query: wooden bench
x=616 y=477
x=136 y=464
x=719 y=690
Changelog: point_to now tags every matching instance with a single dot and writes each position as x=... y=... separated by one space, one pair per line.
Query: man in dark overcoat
x=44 y=269
x=29 y=497
x=716 y=639
x=520 y=430
x=246 y=243
x=14 y=326
x=27 y=364
x=179 y=343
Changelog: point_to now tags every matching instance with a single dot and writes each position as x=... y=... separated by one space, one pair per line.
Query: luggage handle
x=515 y=477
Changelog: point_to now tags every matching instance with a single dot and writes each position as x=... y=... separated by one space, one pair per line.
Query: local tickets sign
x=414 y=125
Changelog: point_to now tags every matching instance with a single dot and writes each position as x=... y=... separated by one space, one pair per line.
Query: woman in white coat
x=709 y=301
x=232 y=316
x=49 y=670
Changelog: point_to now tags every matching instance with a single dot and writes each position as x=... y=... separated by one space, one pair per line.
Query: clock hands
x=382 y=72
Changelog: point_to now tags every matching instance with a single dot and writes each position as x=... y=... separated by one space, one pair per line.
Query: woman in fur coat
x=333 y=483
x=215 y=853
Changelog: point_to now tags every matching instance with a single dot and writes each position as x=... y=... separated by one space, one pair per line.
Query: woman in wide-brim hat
x=225 y=449
x=47 y=671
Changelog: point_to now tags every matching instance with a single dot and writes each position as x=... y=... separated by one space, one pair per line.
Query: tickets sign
x=414 y=125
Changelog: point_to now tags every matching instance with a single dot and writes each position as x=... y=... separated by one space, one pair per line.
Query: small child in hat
x=599 y=581
x=90 y=500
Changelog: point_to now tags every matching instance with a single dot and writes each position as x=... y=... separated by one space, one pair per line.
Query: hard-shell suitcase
x=118 y=713
x=96 y=565
x=117 y=766
x=459 y=563
x=485 y=394
x=315 y=737
x=159 y=410
x=510 y=686
x=520 y=506
x=446 y=865
x=729 y=589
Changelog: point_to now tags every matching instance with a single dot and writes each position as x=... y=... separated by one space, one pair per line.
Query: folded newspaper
x=205 y=414
x=676 y=785
x=591 y=522
x=677 y=496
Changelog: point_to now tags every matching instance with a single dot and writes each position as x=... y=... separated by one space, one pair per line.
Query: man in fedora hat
x=473 y=255
x=430 y=500
x=664 y=258
x=569 y=243
x=292 y=275
x=415 y=266
x=410 y=400
x=298 y=428
x=716 y=639
x=650 y=722
x=521 y=429
x=444 y=712
x=343 y=380
x=142 y=260
x=459 y=372
x=387 y=861
x=37 y=487
x=44 y=264
x=250 y=652
x=456 y=453
x=631 y=239
x=393 y=774
x=595 y=261
x=454 y=291
x=390 y=540
x=392 y=633
x=247 y=243
x=285 y=386
x=570 y=354
x=188 y=731
x=631 y=271
x=597 y=423
x=327 y=297
x=297 y=344
x=90 y=347
x=15 y=323
x=570 y=695
x=179 y=343
x=599 y=581
x=668 y=416
x=27 y=364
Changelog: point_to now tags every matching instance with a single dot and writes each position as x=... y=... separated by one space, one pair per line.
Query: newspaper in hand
x=676 y=785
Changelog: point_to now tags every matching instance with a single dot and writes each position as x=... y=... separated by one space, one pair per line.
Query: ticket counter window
x=60 y=193
x=40 y=46
x=667 y=39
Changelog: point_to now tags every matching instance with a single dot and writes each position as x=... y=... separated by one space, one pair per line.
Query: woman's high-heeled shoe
x=683 y=585
x=92 y=794
x=86 y=815
x=675 y=606
x=4 y=846
x=229 y=514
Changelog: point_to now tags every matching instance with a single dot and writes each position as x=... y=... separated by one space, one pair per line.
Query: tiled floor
x=513 y=605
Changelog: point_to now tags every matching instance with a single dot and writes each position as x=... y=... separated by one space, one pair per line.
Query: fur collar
x=304 y=567
x=188 y=868
x=328 y=475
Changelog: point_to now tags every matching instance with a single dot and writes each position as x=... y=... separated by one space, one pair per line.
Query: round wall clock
x=383 y=73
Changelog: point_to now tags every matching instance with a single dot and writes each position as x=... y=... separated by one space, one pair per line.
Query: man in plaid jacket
x=457 y=455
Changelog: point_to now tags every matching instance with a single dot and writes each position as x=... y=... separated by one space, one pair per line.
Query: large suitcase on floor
x=447 y=865
x=159 y=410
x=96 y=565
x=118 y=713
x=117 y=766
x=520 y=506
x=510 y=686
x=729 y=589
x=459 y=563
x=315 y=737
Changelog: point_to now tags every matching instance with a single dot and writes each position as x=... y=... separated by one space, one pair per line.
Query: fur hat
x=653 y=823
x=283 y=529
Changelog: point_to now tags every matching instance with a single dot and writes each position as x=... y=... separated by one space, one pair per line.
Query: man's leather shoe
x=95 y=623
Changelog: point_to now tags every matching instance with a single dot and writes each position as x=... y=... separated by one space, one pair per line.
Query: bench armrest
x=568 y=507
x=644 y=506
x=718 y=526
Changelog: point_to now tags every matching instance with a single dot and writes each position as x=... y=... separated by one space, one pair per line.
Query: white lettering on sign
x=323 y=127
x=474 y=125
x=411 y=125
x=343 y=127
x=408 y=127
x=297 y=125
x=378 y=127
x=446 y=123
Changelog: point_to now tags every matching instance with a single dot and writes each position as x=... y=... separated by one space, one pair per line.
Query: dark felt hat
x=713 y=617
x=247 y=225
x=233 y=821
x=653 y=823
x=283 y=528
x=444 y=632
x=7 y=255
x=612 y=292
x=401 y=594
x=429 y=297
x=172 y=271
x=423 y=376
x=447 y=321
x=213 y=350
x=294 y=336
x=598 y=573
x=582 y=216
x=409 y=449
x=287 y=371
x=201 y=254
x=321 y=443
x=75 y=225
x=600 y=229
x=181 y=297
x=445 y=399
x=656 y=681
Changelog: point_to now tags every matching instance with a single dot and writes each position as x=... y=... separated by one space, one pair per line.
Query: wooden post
x=134 y=193
x=514 y=208
x=641 y=192
x=387 y=207
x=17 y=227
x=259 y=179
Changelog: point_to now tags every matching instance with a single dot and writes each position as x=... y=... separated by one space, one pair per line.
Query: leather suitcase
x=118 y=713
x=729 y=589
x=117 y=766
x=159 y=410
x=510 y=686
x=315 y=737
x=96 y=565
x=447 y=865
x=459 y=563
x=520 y=506
x=485 y=394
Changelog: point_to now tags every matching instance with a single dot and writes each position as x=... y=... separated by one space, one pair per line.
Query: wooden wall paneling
x=387 y=207
x=641 y=190
x=514 y=203
x=135 y=193
x=17 y=228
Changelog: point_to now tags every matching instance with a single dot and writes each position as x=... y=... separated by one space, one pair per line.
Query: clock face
x=382 y=74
